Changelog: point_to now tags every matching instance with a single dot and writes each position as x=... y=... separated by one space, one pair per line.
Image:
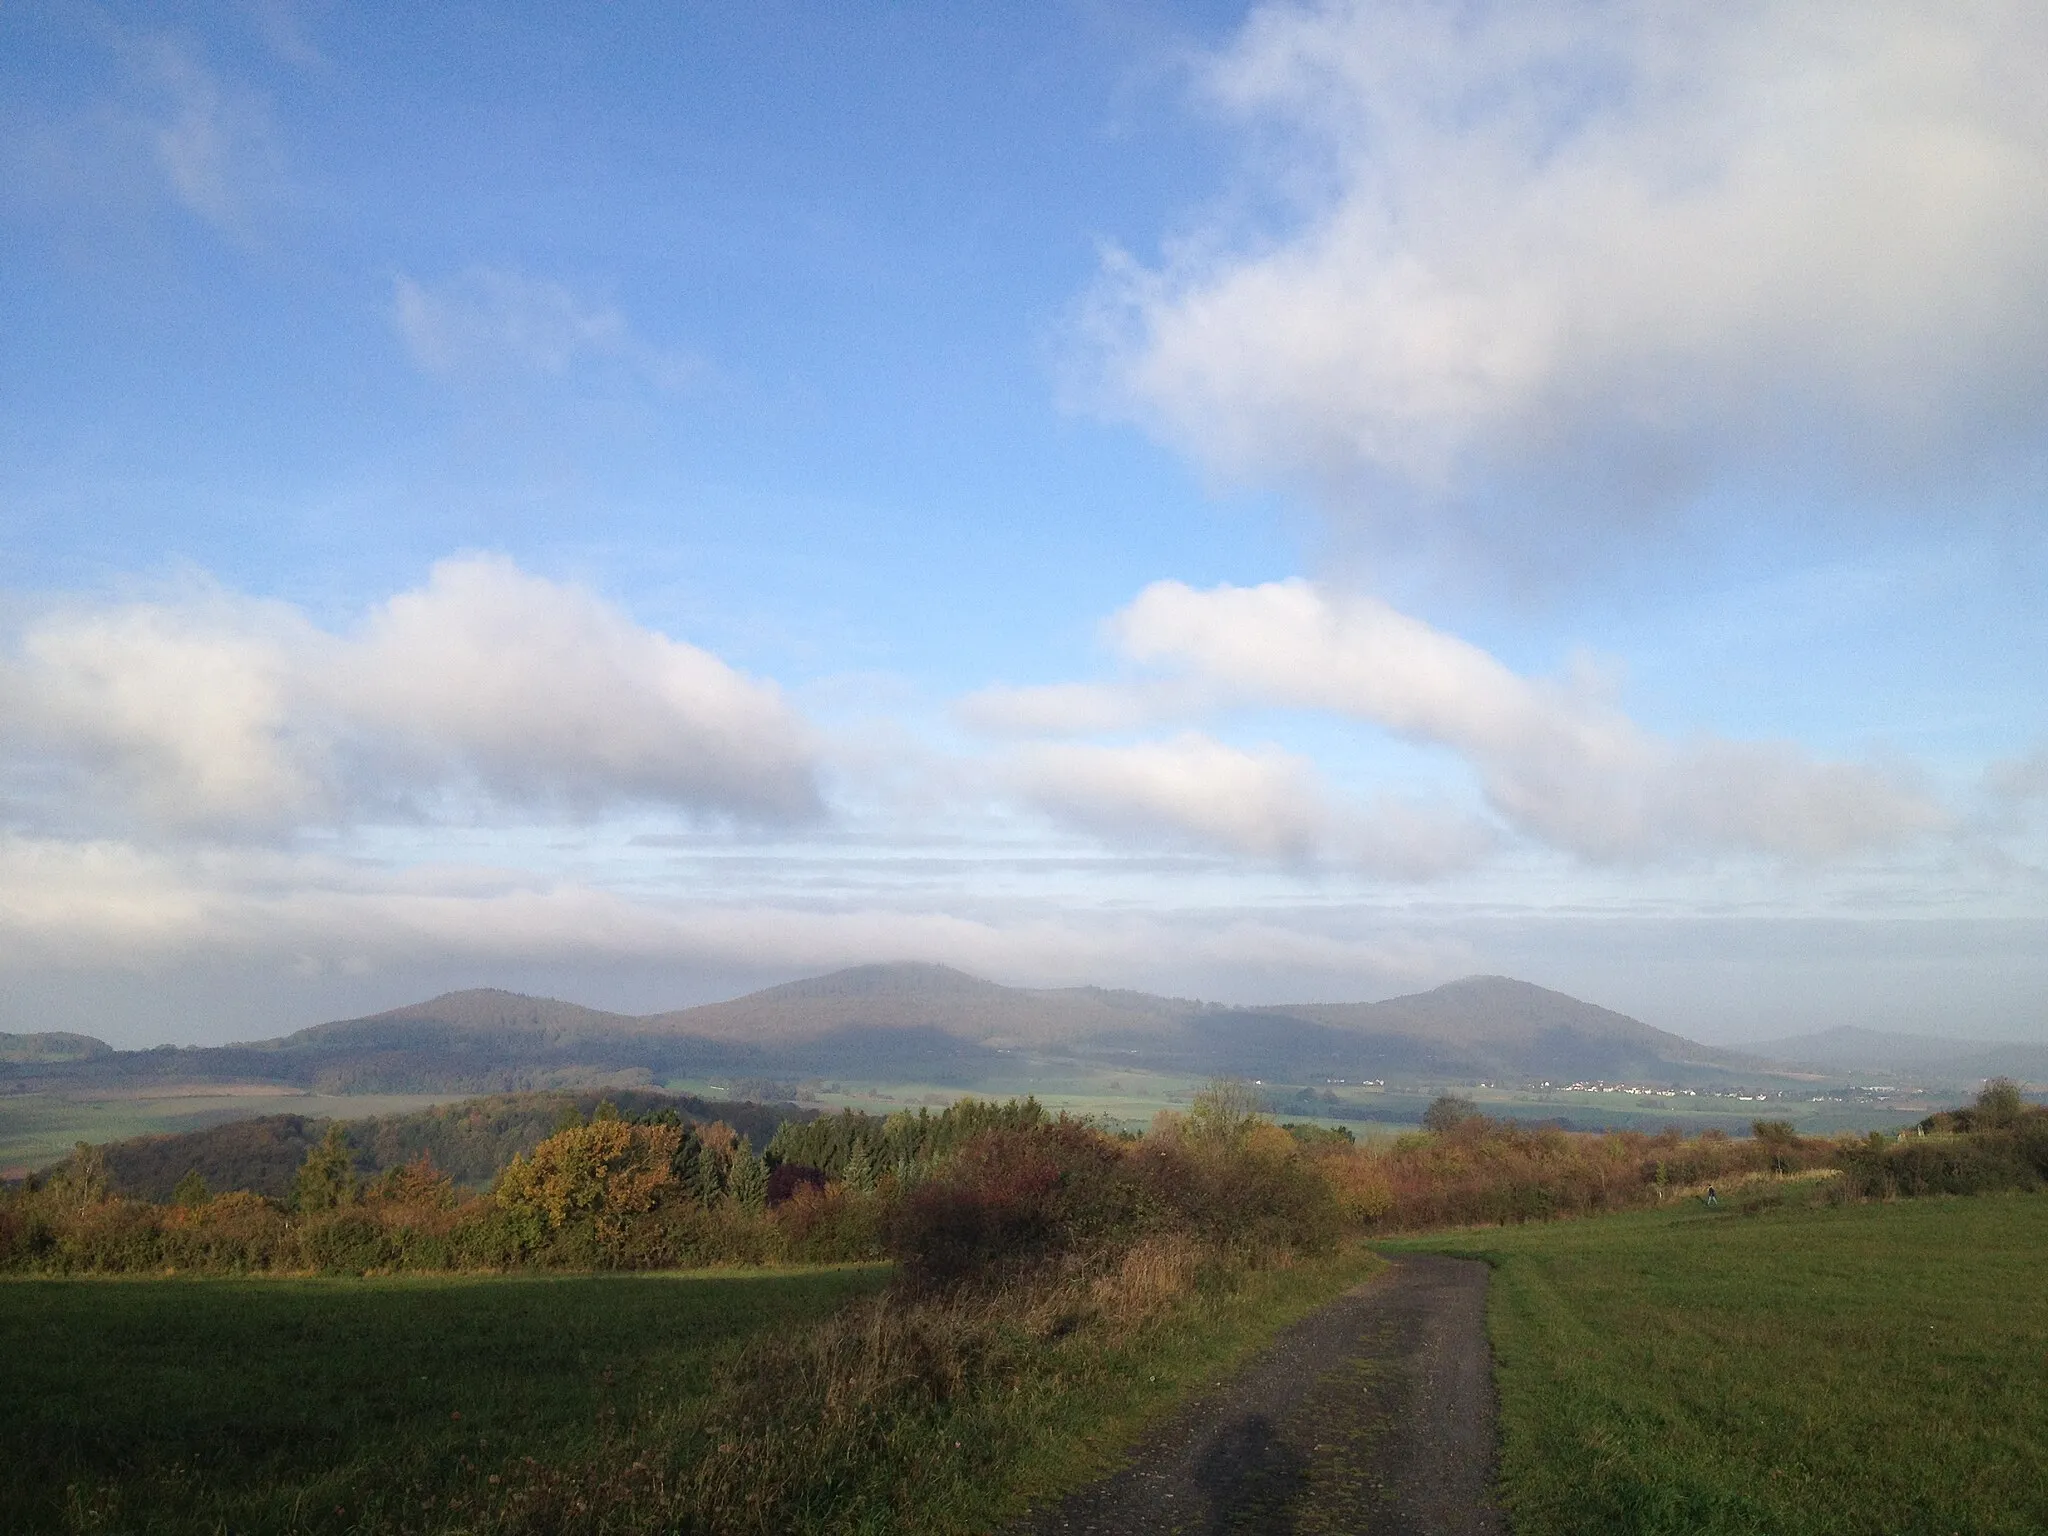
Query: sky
x=1292 y=502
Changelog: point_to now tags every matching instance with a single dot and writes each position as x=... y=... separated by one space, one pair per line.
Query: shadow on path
x=1375 y=1413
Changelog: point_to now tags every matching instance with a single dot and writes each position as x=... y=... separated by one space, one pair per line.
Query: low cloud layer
x=1262 y=804
x=1556 y=759
x=214 y=944
x=1611 y=248
x=214 y=713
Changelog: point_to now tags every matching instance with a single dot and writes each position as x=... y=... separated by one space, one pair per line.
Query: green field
x=304 y=1404
x=1874 y=1368
x=1129 y=1097
x=357 y=1406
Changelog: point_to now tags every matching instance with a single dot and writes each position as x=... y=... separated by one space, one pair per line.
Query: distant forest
x=471 y=1141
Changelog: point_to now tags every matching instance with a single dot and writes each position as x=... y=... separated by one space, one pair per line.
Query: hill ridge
x=912 y=1019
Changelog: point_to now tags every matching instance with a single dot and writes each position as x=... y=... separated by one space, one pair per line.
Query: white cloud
x=1611 y=241
x=1264 y=804
x=487 y=323
x=183 y=711
x=1557 y=759
x=539 y=691
x=214 y=712
x=215 y=143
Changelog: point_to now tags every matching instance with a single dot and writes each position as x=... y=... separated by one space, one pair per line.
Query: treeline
x=652 y=1191
x=642 y=1182
x=471 y=1140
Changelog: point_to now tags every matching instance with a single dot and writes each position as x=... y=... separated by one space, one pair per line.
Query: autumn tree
x=609 y=1168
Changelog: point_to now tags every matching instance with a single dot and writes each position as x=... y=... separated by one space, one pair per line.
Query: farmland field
x=1872 y=1368
x=281 y=1404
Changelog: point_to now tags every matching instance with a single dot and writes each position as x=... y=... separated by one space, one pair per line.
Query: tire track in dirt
x=1375 y=1413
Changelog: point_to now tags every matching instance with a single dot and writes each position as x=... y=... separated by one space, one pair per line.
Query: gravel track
x=1373 y=1414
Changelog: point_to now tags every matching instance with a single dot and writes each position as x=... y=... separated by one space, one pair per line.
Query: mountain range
x=922 y=1023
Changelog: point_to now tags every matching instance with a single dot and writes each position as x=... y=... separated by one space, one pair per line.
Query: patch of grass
x=613 y=1403
x=172 y=1405
x=1785 y=1369
x=929 y=1415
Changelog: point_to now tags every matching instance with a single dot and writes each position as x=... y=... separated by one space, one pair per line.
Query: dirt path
x=1374 y=1414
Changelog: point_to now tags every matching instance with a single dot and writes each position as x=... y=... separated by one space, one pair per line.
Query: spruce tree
x=859 y=1171
x=748 y=1181
x=709 y=1182
x=327 y=1178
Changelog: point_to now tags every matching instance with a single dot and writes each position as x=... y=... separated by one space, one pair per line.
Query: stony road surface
x=1375 y=1414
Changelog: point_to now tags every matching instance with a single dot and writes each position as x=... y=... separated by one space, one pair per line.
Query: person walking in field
x=1712 y=1198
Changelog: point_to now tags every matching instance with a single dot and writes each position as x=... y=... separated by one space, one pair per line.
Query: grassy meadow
x=1783 y=1369
x=528 y=1404
x=309 y=1404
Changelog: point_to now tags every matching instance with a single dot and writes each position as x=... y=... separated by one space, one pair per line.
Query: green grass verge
x=1872 y=1368
x=201 y=1405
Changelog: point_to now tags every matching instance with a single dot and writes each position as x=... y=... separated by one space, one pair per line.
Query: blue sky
x=1276 y=502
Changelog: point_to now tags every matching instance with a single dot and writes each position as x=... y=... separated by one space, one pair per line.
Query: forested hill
x=933 y=1024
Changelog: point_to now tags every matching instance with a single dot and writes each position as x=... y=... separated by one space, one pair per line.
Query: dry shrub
x=1364 y=1192
x=829 y=1225
x=1157 y=1272
x=1482 y=1170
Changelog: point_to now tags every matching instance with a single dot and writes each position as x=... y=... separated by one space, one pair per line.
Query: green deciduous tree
x=1448 y=1111
x=191 y=1190
x=1998 y=1103
x=1225 y=1110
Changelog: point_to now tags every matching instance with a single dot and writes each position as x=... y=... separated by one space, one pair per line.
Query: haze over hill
x=935 y=1024
x=1870 y=1054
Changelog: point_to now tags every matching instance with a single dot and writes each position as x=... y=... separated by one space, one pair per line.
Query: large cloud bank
x=217 y=714
x=1610 y=246
x=1556 y=759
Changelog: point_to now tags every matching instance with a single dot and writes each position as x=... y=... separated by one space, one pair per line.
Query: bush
x=346 y=1242
x=788 y=1178
x=830 y=1224
x=1980 y=1163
